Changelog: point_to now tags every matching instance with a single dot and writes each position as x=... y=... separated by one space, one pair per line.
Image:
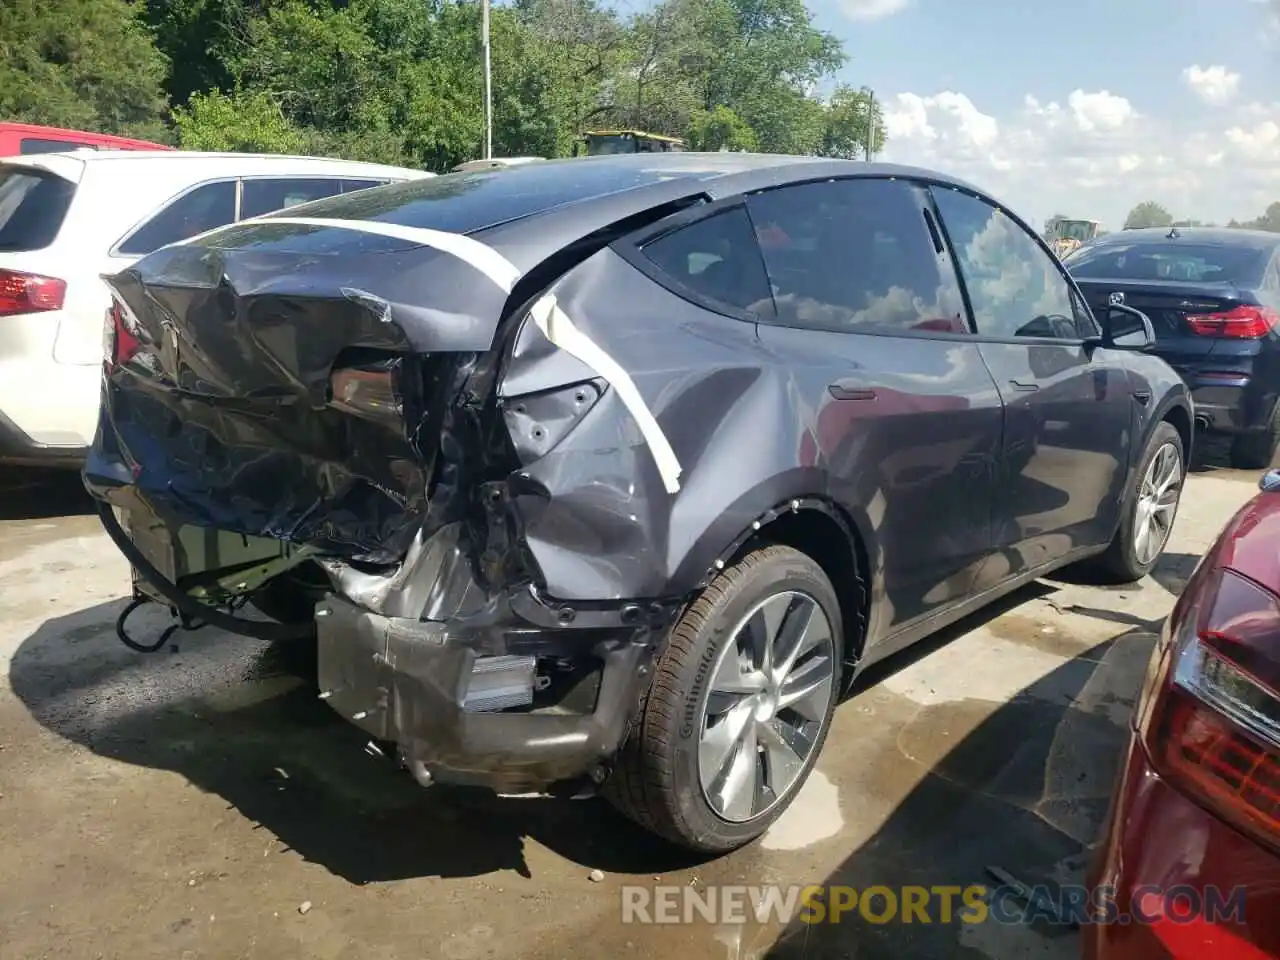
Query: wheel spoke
x=807 y=690
x=736 y=677
x=782 y=763
x=804 y=630
x=721 y=738
x=763 y=629
x=738 y=787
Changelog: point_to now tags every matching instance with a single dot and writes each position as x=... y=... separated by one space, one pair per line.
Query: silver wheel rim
x=1157 y=503
x=766 y=706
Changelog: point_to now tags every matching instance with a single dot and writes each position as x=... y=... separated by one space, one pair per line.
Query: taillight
x=369 y=391
x=119 y=342
x=29 y=293
x=1241 y=323
x=1215 y=730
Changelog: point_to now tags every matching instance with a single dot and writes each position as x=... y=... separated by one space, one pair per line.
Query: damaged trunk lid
x=294 y=379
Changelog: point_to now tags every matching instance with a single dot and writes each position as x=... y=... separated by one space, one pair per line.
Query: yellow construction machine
x=1065 y=236
x=593 y=143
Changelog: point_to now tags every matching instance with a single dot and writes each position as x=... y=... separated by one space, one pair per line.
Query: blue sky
x=1085 y=107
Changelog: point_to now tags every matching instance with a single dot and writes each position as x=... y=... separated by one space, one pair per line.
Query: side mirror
x=1125 y=328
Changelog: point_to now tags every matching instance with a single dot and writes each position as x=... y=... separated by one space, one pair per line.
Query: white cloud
x=872 y=9
x=1214 y=85
x=1094 y=153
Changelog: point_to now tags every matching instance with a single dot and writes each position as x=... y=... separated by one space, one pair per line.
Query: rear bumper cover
x=404 y=680
x=18 y=448
x=1226 y=404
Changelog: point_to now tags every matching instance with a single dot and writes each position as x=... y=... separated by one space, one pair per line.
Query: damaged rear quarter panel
x=598 y=520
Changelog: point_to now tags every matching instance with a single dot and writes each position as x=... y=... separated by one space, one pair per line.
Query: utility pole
x=488 y=81
x=871 y=120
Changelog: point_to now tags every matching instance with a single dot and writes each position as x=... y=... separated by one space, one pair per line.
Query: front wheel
x=1149 y=510
x=739 y=706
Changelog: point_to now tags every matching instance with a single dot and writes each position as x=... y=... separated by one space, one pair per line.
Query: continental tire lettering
x=705 y=663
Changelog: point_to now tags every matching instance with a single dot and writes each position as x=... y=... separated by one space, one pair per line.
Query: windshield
x=1170 y=260
x=33 y=204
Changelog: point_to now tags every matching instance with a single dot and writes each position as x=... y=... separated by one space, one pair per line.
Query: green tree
x=250 y=122
x=850 y=117
x=1148 y=214
x=1269 y=221
x=85 y=64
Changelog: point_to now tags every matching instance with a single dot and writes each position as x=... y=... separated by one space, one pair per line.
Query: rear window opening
x=33 y=204
x=1172 y=260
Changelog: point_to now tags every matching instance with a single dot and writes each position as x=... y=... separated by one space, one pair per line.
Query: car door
x=1068 y=402
x=869 y=314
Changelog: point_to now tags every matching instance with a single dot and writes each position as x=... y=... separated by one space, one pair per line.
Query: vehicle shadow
x=27 y=493
x=241 y=719
x=1027 y=791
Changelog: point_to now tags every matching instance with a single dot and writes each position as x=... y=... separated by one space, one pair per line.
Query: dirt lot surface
x=202 y=803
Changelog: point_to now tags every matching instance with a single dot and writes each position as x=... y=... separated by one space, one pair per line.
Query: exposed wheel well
x=1180 y=420
x=835 y=546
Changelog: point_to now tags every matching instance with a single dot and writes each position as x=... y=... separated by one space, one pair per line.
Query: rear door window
x=205 y=207
x=33 y=204
x=351 y=186
x=716 y=258
x=32 y=145
x=268 y=194
x=856 y=255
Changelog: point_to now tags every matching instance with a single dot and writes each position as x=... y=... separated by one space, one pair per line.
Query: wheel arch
x=818 y=527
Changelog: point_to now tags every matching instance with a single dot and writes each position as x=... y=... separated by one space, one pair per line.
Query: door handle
x=850 y=390
x=1024 y=387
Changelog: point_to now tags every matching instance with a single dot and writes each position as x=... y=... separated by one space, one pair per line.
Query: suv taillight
x=119 y=343
x=1214 y=730
x=29 y=293
x=1241 y=323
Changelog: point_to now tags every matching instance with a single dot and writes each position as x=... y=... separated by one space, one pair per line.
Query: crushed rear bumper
x=406 y=681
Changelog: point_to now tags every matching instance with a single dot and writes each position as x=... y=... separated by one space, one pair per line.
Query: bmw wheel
x=739 y=707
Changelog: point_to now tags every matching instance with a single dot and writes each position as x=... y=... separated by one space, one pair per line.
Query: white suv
x=68 y=218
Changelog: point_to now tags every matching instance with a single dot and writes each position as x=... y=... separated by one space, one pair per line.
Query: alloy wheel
x=766 y=706
x=1157 y=503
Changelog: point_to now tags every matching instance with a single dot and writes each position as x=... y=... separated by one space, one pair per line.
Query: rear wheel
x=1150 y=509
x=1255 y=451
x=739 y=706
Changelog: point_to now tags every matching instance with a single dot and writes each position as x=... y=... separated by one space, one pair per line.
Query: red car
x=1192 y=850
x=18 y=139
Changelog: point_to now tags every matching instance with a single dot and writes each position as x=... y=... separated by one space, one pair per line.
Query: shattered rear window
x=466 y=202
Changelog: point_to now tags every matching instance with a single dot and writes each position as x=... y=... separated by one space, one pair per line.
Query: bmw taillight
x=1214 y=728
x=1245 y=322
x=30 y=293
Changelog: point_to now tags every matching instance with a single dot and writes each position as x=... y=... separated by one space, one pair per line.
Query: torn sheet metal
x=239 y=335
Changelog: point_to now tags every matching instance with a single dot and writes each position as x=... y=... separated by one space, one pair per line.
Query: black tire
x=1255 y=451
x=1120 y=563
x=656 y=781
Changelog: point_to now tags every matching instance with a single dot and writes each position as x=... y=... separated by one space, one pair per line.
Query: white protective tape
x=560 y=330
x=547 y=314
